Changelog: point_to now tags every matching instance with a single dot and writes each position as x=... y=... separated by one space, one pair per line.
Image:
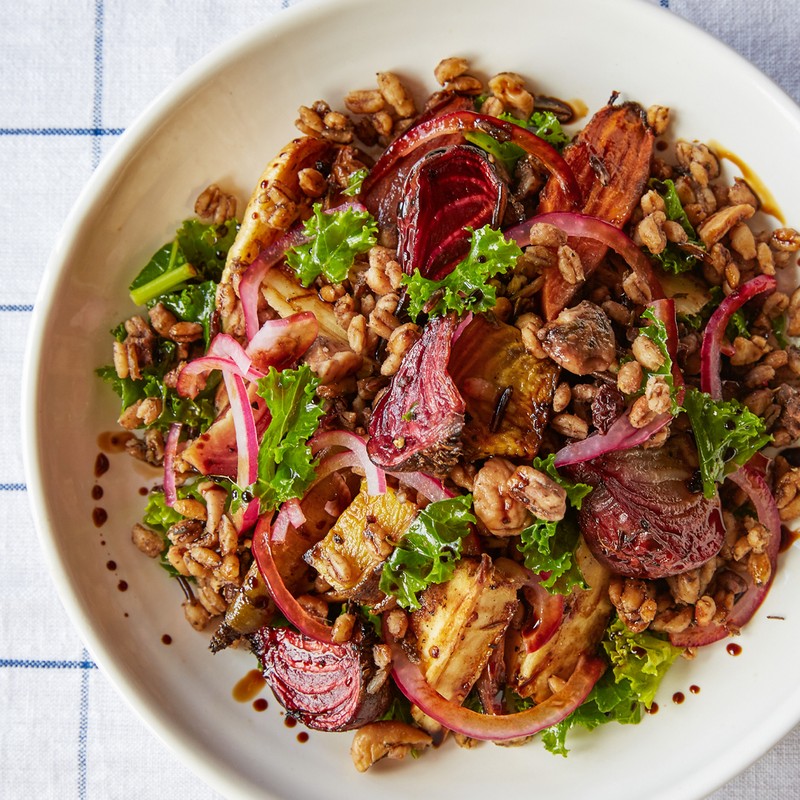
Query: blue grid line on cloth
x=91 y=131
x=83 y=729
x=97 y=99
x=13 y=487
x=664 y=3
x=85 y=663
x=16 y=306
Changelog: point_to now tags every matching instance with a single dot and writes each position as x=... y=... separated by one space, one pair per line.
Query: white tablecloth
x=75 y=73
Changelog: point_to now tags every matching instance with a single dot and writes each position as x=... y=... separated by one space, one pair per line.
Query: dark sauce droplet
x=694 y=689
x=788 y=538
x=111 y=565
x=289 y=722
x=99 y=517
x=122 y=586
x=166 y=639
x=260 y=704
x=302 y=737
x=653 y=709
x=678 y=698
x=248 y=687
x=101 y=465
x=661 y=145
x=734 y=649
x=97 y=492
x=144 y=491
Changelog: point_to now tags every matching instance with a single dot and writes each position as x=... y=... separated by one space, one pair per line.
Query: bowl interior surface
x=221 y=123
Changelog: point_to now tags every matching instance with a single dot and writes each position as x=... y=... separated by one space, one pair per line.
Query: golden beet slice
x=508 y=392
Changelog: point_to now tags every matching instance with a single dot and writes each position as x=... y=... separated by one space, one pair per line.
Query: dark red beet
x=322 y=685
x=382 y=197
x=417 y=423
x=643 y=518
x=447 y=191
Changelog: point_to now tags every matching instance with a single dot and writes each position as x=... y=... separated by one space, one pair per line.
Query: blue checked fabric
x=70 y=85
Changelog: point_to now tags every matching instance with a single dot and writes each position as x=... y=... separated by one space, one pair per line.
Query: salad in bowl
x=468 y=422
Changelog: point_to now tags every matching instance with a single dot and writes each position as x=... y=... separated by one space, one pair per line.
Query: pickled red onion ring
x=710 y=378
x=245 y=426
x=290 y=608
x=376 y=477
x=750 y=480
x=170 y=451
x=488 y=727
x=588 y=227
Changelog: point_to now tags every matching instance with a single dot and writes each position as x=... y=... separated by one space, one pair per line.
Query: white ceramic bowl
x=221 y=122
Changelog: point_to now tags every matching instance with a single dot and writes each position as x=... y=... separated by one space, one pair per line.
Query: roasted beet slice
x=323 y=685
x=383 y=197
x=644 y=518
x=611 y=160
x=417 y=423
x=447 y=191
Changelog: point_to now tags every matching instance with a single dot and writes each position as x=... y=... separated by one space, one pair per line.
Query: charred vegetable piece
x=252 y=608
x=349 y=556
x=325 y=686
x=580 y=339
x=276 y=203
x=458 y=625
x=417 y=423
x=507 y=391
x=585 y=617
x=449 y=190
x=610 y=158
x=214 y=452
x=646 y=517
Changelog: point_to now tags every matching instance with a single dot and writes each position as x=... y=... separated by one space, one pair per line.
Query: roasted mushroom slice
x=458 y=625
x=386 y=739
x=585 y=619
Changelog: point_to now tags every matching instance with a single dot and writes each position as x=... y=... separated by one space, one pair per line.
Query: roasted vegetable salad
x=463 y=421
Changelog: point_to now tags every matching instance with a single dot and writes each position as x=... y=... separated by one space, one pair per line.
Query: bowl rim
x=213 y=770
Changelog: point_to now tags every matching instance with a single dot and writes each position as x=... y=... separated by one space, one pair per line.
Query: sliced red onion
x=548 y=610
x=186 y=387
x=250 y=282
x=622 y=435
x=245 y=426
x=424 y=484
x=290 y=514
x=463 y=323
x=376 y=477
x=248 y=516
x=290 y=608
x=710 y=378
x=223 y=344
x=281 y=342
x=488 y=727
x=751 y=481
x=170 y=451
x=588 y=227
